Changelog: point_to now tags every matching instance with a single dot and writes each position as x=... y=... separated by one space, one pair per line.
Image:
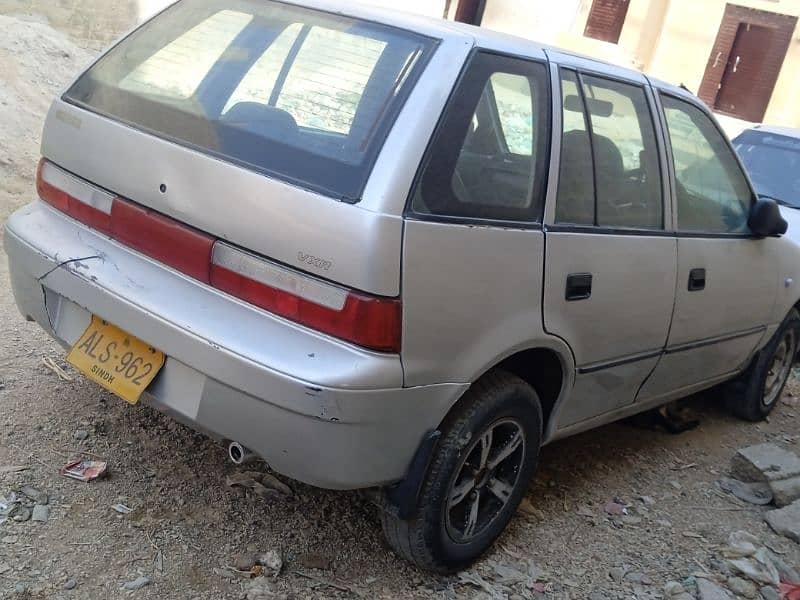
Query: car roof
x=791 y=132
x=481 y=37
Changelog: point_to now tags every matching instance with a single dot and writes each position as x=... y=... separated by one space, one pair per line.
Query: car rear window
x=302 y=95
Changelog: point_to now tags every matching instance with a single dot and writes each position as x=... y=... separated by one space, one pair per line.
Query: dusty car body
x=418 y=254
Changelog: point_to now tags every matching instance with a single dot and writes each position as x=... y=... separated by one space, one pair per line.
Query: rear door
x=727 y=277
x=610 y=262
x=473 y=242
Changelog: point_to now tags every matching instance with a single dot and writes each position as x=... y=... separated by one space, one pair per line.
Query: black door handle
x=579 y=286
x=697 y=280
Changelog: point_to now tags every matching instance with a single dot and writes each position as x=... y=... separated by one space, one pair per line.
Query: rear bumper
x=316 y=409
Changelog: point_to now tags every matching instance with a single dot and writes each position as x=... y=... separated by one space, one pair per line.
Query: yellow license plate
x=116 y=360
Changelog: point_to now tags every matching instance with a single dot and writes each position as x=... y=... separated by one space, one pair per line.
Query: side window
x=575 y=202
x=610 y=172
x=712 y=192
x=512 y=95
x=488 y=157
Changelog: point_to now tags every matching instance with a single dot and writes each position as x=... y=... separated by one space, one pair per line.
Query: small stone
x=785 y=491
x=40 y=513
x=786 y=572
x=631 y=520
x=742 y=587
x=71 y=584
x=271 y=561
x=10 y=539
x=769 y=593
x=244 y=562
x=615 y=509
x=617 y=574
x=22 y=514
x=764 y=462
x=81 y=434
x=648 y=501
x=664 y=523
x=640 y=578
x=4 y=568
x=38 y=496
x=258 y=589
x=786 y=521
x=137 y=583
x=673 y=588
x=708 y=590
x=20 y=589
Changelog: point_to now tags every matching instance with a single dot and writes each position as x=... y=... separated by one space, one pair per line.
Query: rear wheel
x=755 y=393
x=476 y=479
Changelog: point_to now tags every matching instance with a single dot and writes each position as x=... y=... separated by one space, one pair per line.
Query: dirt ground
x=187 y=525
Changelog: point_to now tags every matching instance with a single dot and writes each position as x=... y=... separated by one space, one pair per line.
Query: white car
x=772 y=157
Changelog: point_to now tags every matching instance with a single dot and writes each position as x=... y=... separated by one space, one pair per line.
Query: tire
x=505 y=411
x=754 y=394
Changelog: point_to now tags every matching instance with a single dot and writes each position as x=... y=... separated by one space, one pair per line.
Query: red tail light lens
x=79 y=199
x=369 y=321
x=373 y=322
x=165 y=239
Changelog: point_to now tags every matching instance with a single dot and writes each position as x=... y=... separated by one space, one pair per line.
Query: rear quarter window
x=302 y=95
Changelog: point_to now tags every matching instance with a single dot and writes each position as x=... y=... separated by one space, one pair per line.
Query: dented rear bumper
x=316 y=409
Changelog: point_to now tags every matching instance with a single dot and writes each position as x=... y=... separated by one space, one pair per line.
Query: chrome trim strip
x=624 y=360
x=715 y=340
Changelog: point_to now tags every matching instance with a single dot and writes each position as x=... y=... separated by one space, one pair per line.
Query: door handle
x=736 y=63
x=697 y=280
x=579 y=286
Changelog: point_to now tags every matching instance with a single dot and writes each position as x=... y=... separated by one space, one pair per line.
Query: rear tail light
x=369 y=321
x=165 y=239
x=76 y=197
x=373 y=322
x=155 y=235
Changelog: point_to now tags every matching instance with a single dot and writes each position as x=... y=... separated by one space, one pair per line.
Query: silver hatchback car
x=383 y=251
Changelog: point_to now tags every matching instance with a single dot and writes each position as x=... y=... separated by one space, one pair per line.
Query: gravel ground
x=187 y=527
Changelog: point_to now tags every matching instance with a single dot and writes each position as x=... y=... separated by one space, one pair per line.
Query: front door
x=745 y=61
x=610 y=264
x=750 y=51
x=727 y=278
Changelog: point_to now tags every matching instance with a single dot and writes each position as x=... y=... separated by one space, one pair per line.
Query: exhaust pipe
x=240 y=455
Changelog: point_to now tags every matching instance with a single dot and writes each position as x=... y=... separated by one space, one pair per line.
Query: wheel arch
x=548 y=367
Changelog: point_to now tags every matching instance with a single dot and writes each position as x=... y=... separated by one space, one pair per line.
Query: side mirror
x=765 y=218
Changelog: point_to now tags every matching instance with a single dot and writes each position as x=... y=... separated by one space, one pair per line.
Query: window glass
x=627 y=172
x=326 y=83
x=302 y=95
x=177 y=69
x=487 y=160
x=575 y=202
x=773 y=162
x=512 y=93
x=610 y=177
x=712 y=192
x=259 y=83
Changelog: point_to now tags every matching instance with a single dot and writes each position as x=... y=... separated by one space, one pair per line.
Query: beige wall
x=689 y=34
x=669 y=39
